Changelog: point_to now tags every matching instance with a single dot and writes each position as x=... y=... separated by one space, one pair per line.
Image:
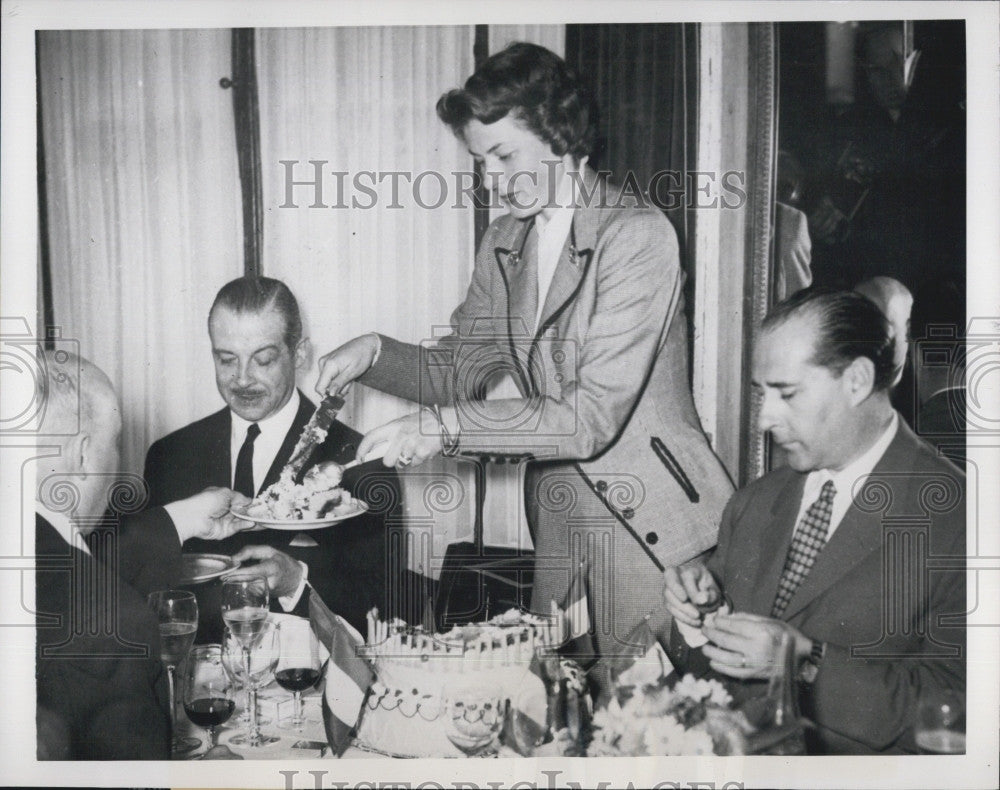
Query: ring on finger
x=404 y=460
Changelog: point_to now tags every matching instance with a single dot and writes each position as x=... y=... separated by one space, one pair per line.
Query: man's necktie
x=243 y=482
x=809 y=539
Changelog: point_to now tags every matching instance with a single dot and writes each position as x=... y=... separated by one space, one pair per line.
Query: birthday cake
x=446 y=695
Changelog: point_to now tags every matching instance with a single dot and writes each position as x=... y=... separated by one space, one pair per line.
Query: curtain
x=360 y=101
x=643 y=90
x=143 y=212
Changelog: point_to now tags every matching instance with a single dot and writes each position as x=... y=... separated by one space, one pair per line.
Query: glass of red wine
x=208 y=691
x=298 y=667
x=177 y=612
x=244 y=610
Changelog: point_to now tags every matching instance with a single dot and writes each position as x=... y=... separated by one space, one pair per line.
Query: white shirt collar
x=848 y=480
x=552 y=234
x=566 y=205
x=273 y=431
x=61 y=523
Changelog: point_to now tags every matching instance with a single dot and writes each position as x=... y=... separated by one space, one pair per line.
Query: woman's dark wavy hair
x=538 y=88
x=849 y=326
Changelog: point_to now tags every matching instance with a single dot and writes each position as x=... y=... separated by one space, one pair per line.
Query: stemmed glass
x=208 y=697
x=263 y=659
x=298 y=666
x=244 y=610
x=940 y=726
x=177 y=611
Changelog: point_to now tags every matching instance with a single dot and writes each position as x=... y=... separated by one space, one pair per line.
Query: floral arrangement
x=694 y=717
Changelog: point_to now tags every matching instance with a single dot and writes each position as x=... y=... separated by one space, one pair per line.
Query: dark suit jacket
x=349 y=567
x=894 y=627
x=100 y=683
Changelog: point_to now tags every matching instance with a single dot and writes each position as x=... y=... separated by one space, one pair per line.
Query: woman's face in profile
x=520 y=167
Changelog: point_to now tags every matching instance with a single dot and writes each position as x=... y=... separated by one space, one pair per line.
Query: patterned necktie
x=809 y=539
x=243 y=482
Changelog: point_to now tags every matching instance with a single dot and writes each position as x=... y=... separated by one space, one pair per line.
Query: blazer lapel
x=518 y=302
x=578 y=250
x=522 y=289
x=573 y=264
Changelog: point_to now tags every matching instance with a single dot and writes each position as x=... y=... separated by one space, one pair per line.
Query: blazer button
x=652 y=538
x=601 y=486
x=628 y=513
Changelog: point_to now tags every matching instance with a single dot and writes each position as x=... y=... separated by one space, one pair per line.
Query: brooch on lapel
x=578 y=258
x=505 y=257
x=574 y=256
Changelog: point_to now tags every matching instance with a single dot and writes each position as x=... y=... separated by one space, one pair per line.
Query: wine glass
x=232 y=660
x=940 y=727
x=474 y=716
x=298 y=667
x=177 y=612
x=208 y=691
x=244 y=610
x=254 y=673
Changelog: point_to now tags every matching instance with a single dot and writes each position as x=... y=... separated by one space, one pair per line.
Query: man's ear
x=301 y=353
x=77 y=452
x=859 y=378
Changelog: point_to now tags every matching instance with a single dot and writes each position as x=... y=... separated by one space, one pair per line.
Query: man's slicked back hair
x=259 y=294
x=848 y=326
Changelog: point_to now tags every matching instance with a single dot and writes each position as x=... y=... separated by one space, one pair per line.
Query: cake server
x=314 y=434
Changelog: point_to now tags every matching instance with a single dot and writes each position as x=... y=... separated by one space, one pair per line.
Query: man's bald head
x=896 y=302
x=75 y=393
x=81 y=413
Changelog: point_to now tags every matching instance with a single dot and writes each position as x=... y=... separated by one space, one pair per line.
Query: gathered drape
x=143 y=211
x=364 y=240
x=360 y=101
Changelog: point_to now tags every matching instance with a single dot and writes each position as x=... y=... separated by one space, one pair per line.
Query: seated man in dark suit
x=257 y=345
x=831 y=549
x=101 y=689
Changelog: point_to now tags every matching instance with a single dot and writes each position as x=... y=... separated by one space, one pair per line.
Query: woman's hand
x=410 y=440
x=343 y=365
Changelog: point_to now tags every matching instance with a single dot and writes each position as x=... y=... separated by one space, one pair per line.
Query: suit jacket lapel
x=220 y=465
x=775 y=538
x=858 y=534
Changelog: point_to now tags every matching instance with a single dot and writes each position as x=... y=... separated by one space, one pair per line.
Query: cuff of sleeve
x=378 y=347
x=289 y=602
x=176 y=511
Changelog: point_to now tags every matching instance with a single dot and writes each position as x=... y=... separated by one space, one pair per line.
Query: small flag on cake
x=575 y=610
x=348 y=675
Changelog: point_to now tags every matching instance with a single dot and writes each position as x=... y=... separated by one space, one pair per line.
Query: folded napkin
x=348 y=675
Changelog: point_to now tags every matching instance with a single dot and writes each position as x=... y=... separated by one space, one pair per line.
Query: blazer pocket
x=676 y=470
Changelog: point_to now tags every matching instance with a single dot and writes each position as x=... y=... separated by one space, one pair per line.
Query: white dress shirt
x=273 y=431
x=847 y=481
